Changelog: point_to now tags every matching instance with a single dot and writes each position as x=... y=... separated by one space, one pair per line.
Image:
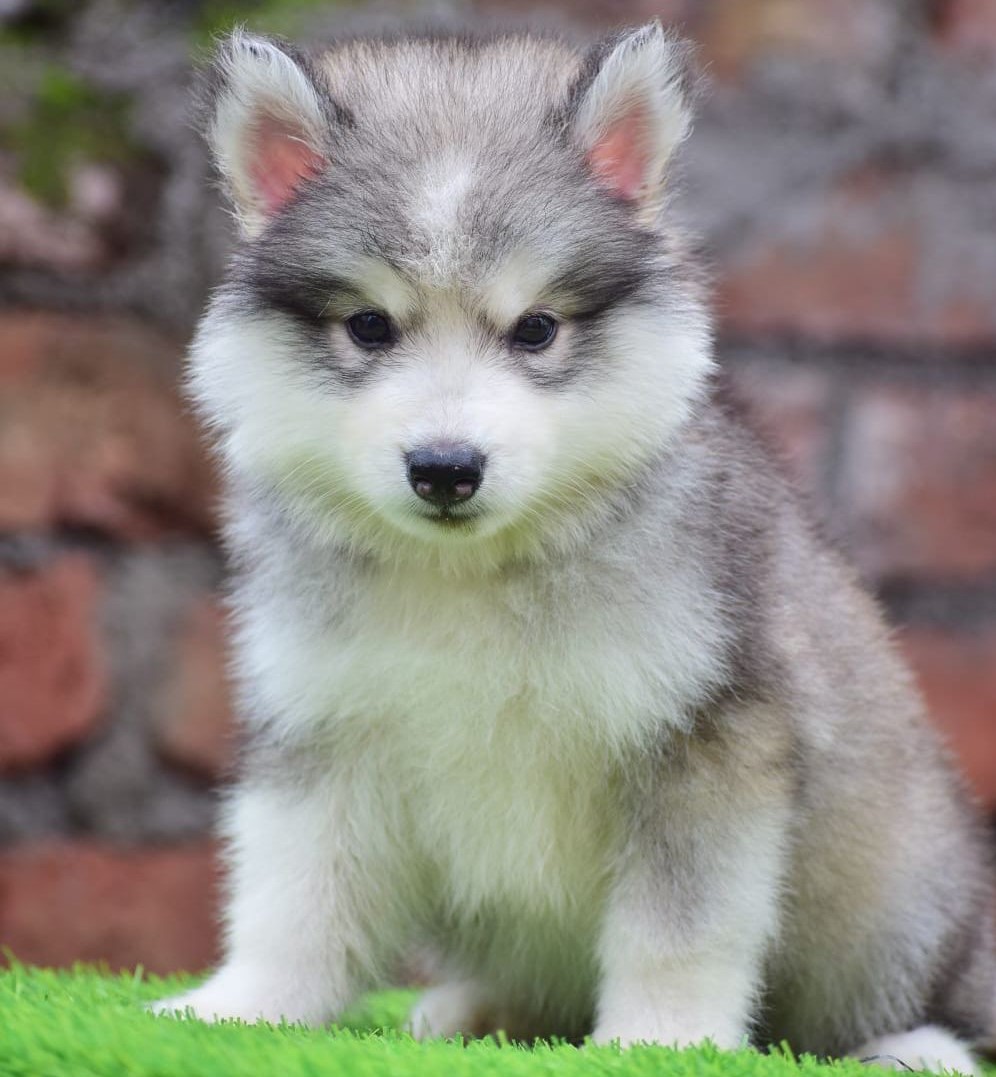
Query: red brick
x=62 y=902
x=93 y=432
x=736 y=35
x=196 y=725
x=968 y=27
x=791 y=407
x=957 y=672
x=859 y=261
x=918 y=481
x=53 y=677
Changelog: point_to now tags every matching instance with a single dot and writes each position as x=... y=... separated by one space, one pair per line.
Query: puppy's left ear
x=630 y=111
x=268 y=126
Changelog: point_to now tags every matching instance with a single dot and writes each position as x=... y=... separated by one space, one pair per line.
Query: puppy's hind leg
x=928 y=1047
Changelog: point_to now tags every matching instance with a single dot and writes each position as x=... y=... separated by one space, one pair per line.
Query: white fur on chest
x=488 y=717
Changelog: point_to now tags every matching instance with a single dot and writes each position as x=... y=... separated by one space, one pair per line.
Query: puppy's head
x=456 y=326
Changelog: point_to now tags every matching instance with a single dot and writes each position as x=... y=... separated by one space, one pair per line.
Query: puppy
x=542 y=665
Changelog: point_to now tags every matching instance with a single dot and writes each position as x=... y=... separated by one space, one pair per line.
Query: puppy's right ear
x=630 y=111
x=268 y=126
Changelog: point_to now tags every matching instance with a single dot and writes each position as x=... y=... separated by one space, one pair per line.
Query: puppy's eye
x=370 y=329
x=534 y=332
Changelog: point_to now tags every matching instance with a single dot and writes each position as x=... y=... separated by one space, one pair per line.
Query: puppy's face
x=451 y=327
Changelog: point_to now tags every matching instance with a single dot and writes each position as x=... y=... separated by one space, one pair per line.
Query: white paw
x=209 y=1004
x=652 y=1028
x=447 y=1010
x=926 y=1048
x=229 y=994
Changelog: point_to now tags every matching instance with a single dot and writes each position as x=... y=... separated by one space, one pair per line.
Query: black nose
x=444 y=476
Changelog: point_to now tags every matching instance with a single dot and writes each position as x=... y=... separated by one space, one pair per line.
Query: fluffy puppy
x=541 y=663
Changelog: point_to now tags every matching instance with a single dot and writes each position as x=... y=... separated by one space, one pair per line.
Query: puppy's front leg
x=695 y=903
x=292 y=911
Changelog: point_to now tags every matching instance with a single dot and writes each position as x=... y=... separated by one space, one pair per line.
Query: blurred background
x=842 y=183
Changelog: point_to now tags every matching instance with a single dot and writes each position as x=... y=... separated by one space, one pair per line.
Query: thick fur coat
x=618 y=737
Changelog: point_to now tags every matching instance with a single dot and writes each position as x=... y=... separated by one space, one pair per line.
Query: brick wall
x=841 y=180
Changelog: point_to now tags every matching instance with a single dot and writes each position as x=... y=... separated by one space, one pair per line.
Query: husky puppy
x=542 y=665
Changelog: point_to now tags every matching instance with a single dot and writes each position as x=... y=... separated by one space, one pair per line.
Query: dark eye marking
x=370 y=329
x=534 y=331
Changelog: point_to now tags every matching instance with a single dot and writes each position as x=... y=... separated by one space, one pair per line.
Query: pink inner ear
x=620 y=158
x=281 y=162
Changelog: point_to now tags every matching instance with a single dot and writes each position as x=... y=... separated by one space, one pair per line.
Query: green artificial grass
x=90 y=1022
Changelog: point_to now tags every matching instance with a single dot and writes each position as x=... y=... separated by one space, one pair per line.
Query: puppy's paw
x=209 y=1004
x=929 y=1048
x=448 y=1009
x=229 y=994
x=635 y=1028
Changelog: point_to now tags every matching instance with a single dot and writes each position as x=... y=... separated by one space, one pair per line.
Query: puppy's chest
x=445 y=660
x=516 y=818
x=492 y=726
x=489 y=721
